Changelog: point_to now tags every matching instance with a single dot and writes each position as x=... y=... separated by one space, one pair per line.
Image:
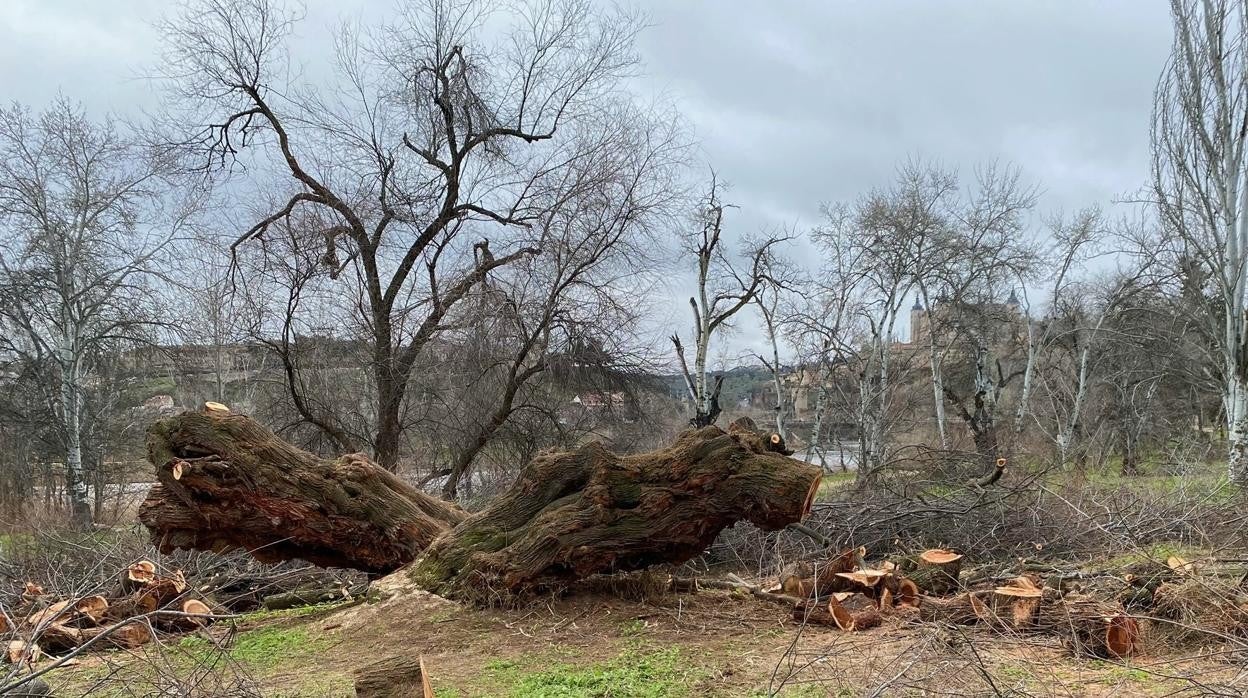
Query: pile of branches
x=141 y=603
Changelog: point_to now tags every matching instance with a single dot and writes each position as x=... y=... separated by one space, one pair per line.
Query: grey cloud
x=794 y=102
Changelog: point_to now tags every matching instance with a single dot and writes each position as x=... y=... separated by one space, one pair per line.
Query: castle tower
x=918 y=322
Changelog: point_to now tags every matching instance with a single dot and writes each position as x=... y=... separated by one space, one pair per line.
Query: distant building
x=999 y=316
x=599 y=401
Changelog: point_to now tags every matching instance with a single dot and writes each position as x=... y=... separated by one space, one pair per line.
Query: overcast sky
x=794 y=102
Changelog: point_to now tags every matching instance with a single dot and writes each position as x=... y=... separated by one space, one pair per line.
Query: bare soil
x=605 y=644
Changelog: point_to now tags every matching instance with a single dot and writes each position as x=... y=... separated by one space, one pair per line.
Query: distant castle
x=1008 y=313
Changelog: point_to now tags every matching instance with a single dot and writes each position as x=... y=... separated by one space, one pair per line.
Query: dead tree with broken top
x=724 y=288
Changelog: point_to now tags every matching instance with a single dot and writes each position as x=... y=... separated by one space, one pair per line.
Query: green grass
x=632 y=628
x=632 y=674
x=264 y=648
x=10 y=542
x=298 y=612
x=1155 y=552
x=834 y=483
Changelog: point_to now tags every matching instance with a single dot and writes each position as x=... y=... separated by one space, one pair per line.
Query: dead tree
x=723 y=290
x=227 y=482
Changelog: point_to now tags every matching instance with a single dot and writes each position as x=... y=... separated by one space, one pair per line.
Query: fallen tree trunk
x=226 y=482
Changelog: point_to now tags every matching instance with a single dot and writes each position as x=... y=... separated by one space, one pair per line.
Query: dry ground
x=603 y=644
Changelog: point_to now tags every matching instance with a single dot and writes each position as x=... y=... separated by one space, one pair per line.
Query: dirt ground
x=612 y=644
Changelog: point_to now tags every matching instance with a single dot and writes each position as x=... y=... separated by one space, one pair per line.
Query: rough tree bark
x=226 y=482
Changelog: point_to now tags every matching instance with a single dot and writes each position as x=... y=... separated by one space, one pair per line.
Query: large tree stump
x=227 y=482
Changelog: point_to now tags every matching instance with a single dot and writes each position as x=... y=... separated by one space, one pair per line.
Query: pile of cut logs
x=840 y=592
x=143 y=601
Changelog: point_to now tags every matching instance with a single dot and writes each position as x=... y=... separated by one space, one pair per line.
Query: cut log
x=61 y=638
x=936 y=571
x=1016 y=607
x=819 y=579
x=798 y=586
x=92 y=608
x=392 y=677
x=829 y=573
x=1092 y=627
x=569 y=514
x=129 y=607
x=185 y=623
x=135 y=577
x=164 y=590
x=964 y=609
x=908 y=593
x=573 y=514
x=823 y=614
x=22 y=652
x=834 y=613
x=52 y=614
x=305 y=596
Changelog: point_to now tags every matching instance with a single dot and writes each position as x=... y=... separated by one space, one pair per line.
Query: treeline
x=469 y=218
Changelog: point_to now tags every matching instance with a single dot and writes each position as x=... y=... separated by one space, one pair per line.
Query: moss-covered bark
x=569 y=514
x=226 y=482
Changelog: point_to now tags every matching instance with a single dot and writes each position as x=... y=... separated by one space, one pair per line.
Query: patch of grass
x=261 y=616
x=632 y=628
x=501 y=665
x=834 y=483
x=263 y=648
x=633 y=674
x=1015 y=672
x=12 y=541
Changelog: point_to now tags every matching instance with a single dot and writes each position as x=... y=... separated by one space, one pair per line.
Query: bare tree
x=724 y=288
x=429 y=131
x=573 y=309
x=768 y=303
x=1073 y=241
x=860 y=241
x=821 y=327
x=86 y=212
x=1200 y=181
x=977 y=241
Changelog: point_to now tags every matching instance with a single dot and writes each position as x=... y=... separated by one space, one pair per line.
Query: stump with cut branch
x=227 y=482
